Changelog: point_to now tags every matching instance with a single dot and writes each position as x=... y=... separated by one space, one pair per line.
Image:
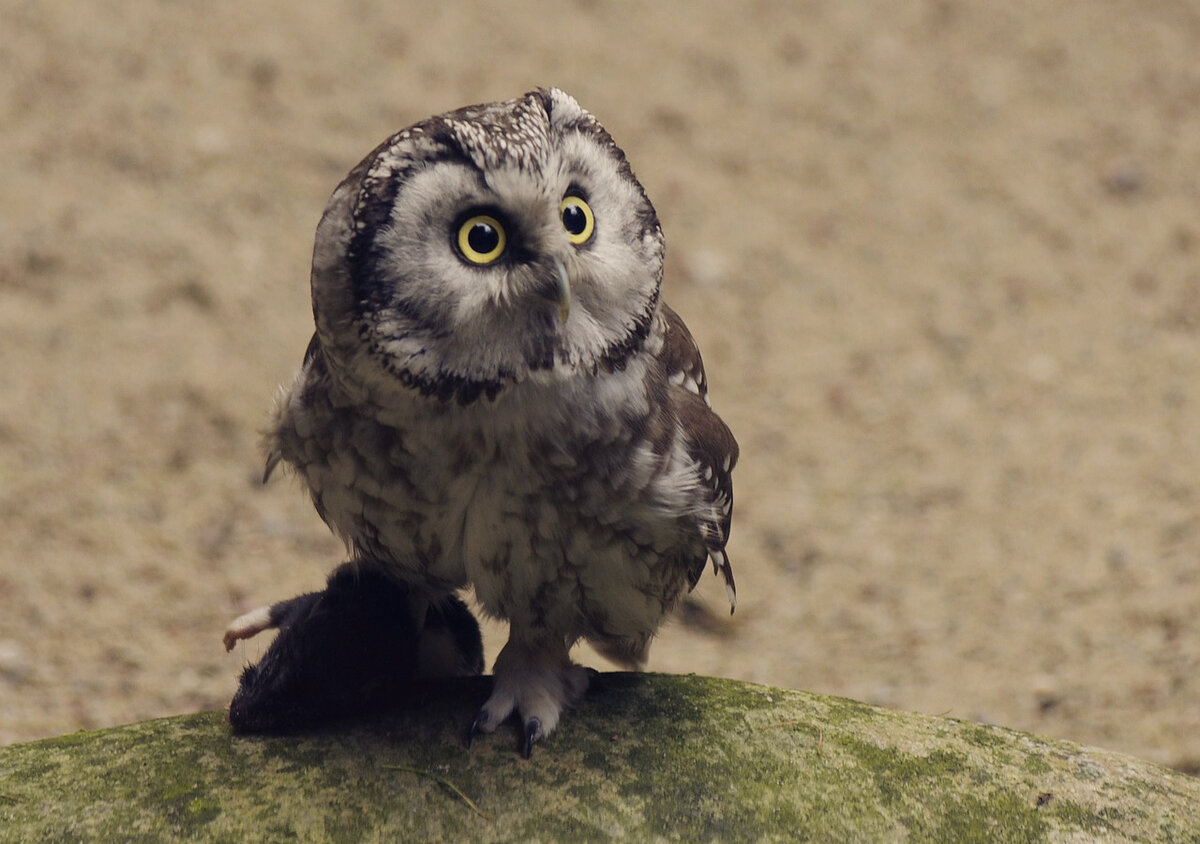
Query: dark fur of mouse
x=354 y=648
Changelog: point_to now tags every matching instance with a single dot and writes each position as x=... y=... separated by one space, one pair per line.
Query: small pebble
x=1123 y=178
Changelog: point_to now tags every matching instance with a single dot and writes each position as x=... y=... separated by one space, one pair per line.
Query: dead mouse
x=351 y=649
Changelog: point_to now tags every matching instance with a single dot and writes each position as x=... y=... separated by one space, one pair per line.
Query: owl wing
x=274 y=452
x=708 y=442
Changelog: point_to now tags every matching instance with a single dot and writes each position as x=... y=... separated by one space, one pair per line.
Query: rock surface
x=644 y=757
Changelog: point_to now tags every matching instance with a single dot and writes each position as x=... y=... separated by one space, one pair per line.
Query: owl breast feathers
x=496 y=396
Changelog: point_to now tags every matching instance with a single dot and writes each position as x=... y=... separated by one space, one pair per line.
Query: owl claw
x=476 y=726
x=533 y=732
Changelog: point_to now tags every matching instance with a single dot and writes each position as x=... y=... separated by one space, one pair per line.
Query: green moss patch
x=642 y=757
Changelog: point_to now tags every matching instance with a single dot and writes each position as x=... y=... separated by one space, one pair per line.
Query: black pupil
x=574 y=220
x=483 y=238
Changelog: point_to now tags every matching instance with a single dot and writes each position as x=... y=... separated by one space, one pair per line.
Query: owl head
x=484 y=247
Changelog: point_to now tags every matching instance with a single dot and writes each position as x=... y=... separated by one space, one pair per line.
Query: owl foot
x=535 y=684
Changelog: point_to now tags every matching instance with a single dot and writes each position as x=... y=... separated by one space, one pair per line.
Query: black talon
x=533 y=732
x=480 y=720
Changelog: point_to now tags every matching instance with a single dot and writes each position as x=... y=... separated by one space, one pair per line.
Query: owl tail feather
x=722 y=567
x=272 y=461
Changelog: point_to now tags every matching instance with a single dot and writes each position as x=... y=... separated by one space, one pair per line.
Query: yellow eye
x=481 y=239
x=577 y=219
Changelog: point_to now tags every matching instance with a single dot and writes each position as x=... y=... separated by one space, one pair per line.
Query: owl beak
x=563 y=290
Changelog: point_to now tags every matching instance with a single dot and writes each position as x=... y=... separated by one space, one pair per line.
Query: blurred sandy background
x=943 y=260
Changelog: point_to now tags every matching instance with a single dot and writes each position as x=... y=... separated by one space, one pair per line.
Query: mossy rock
x=643 y=757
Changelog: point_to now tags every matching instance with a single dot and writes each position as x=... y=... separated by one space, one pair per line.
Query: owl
x=496 y=397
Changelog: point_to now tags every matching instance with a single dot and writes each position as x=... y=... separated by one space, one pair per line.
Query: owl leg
x=536 y=680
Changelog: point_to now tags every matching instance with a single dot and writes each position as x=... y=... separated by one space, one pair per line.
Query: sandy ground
x=942 y=259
